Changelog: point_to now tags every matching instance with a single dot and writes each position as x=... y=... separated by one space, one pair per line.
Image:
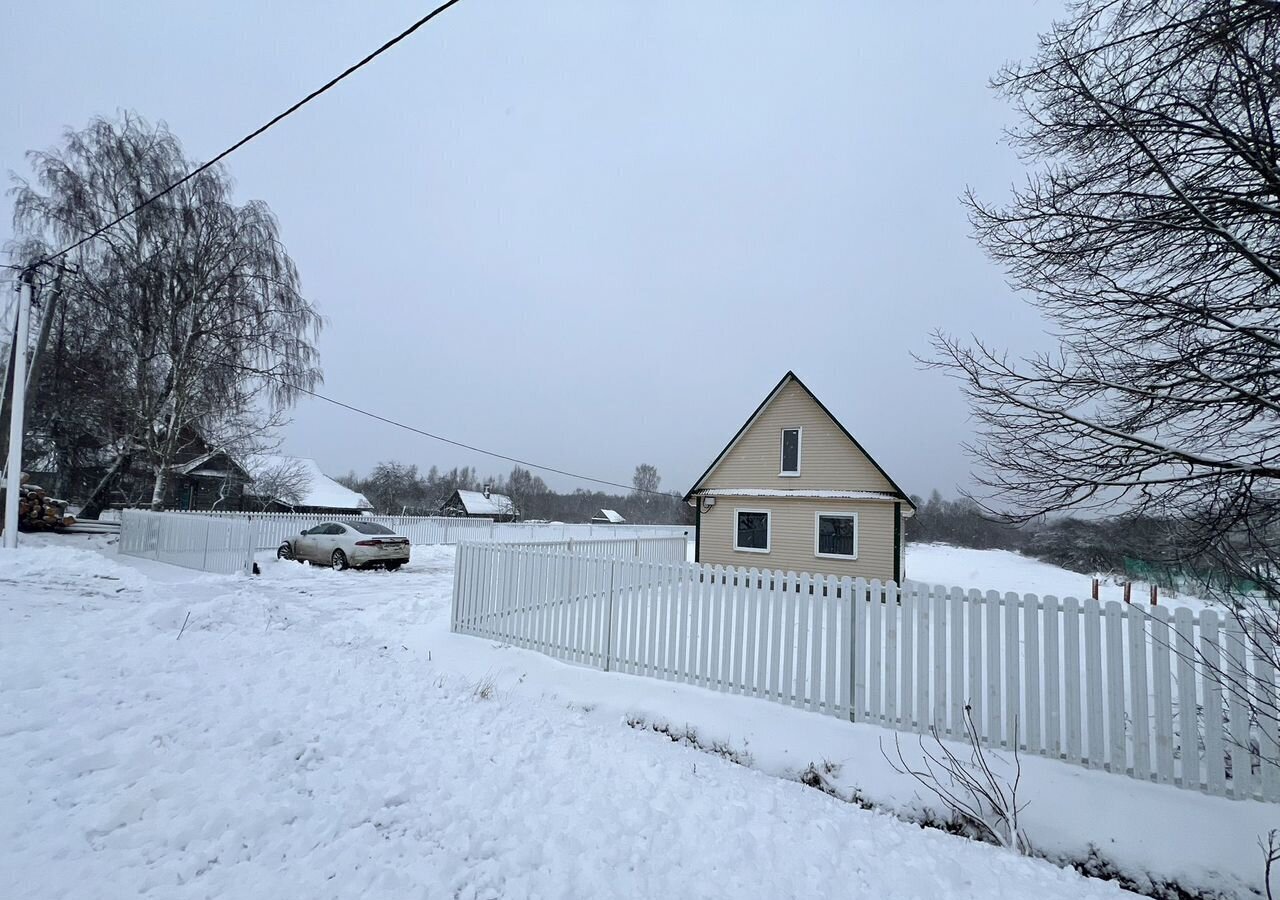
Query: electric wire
x=256 y=133
x=473 y=448
x=251 y=135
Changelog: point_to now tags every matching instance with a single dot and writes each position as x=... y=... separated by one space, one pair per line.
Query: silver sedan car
x=346 y=544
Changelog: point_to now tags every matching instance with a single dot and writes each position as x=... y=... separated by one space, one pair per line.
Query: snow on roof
x=612 y=516
x=199 y=462
x=477 y=504
x=807 y=495
x=320 y=490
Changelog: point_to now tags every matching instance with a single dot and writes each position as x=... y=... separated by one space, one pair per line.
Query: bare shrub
x=485 y=688
x=1270 y=856
x=984 y=802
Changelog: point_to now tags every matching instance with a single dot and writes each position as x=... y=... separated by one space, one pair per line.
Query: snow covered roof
x=193 y=465
x=611 y=515
x=804 y=494
x=319 y=490
x=477 y=504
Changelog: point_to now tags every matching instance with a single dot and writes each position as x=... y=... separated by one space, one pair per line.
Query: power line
x=442 y=439
x=253 y=134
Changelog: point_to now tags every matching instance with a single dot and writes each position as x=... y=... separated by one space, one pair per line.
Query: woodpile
x=37 y=511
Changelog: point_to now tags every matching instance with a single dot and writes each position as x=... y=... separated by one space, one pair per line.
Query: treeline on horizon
x=1144 y=545
x=396 y=488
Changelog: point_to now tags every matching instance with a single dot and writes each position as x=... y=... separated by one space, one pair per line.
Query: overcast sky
x=589 y=234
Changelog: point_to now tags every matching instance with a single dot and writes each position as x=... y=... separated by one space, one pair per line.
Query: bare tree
x=1148 y=234
x=194 y=301
x=645 y=481
x=280 y=479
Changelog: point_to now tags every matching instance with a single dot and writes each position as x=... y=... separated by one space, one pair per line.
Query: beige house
x=795 y=491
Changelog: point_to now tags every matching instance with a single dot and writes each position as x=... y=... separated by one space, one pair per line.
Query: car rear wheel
x=285 y=551
x=339 y=560
x=391 y=567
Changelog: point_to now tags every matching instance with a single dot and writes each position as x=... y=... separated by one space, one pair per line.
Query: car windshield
x=369 y=528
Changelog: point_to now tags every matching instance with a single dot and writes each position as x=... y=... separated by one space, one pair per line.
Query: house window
x=751 y=530
x=836 y=534
x=790 y=451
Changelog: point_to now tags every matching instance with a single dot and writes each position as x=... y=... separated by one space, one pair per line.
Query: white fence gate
x=1128 y=689
x=195 y=542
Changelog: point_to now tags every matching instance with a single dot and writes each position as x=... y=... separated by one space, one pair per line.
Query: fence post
x=852 y=596
x=208 y=524
x=608 y=638
x=252 y=542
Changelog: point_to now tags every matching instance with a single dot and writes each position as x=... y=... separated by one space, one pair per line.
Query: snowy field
x=1004 y=570
x=322 y=734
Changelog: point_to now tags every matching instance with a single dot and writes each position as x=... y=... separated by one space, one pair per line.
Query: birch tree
x=194 y=297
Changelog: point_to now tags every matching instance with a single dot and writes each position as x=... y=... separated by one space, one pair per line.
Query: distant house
x=201 y=475
x=212 y=479
x=608 y=517
x=793 y=490
x=296 y=484
x=481 y=505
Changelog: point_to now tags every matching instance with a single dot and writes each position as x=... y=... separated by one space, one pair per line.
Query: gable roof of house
x=898 y=494
x=321 y=491
x=192 y=466
x=477 y=504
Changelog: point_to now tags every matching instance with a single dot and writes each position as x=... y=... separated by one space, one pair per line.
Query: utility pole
x=18 y=395
x=50 y=306
x=40 y=350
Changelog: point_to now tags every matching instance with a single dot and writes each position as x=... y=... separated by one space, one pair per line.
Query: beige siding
x=792 y=534
x=828 y=460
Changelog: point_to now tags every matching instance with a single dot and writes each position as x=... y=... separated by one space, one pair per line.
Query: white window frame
x=768 y=530
x=835 y=514
x=782 y=437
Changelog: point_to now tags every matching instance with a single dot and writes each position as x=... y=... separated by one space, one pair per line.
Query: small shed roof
x=477 y=504
x=611 y=515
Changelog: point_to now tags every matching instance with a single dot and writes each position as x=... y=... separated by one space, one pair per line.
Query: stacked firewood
x=37 y=511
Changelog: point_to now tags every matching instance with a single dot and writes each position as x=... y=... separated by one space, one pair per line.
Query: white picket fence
x=206 y=543
x=274 y=528
x=643 y=549
x=178 y=537
x=1127 y=689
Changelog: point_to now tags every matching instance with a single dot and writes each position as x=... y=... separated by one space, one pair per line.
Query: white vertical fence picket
x=1127 y=688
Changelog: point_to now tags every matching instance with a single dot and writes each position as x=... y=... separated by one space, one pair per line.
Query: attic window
x=790 y=451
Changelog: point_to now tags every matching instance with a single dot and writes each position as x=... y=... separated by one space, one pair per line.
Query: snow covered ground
x=1004 y=570
x=322 y=734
